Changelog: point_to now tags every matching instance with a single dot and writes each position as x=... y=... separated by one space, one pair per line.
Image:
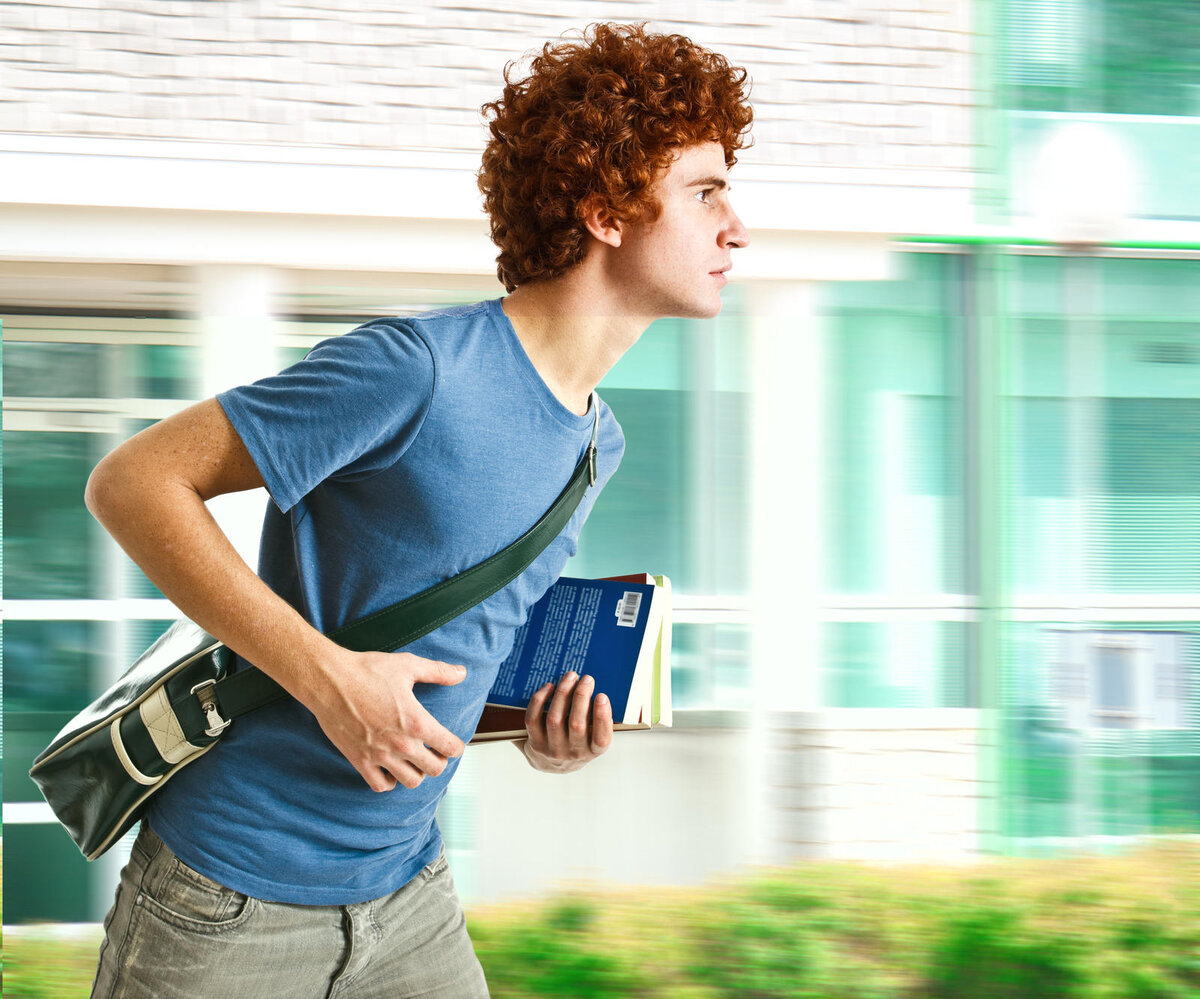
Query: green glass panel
x=657 y=361
x=1138 y=57
x=710 y=666
x=1150 y=510
x=668 y=509
x=100 y=370
x=285 y=357
x=53 y=548
x=164 y=371
x=894 y=480
x=46 y=878
x=49 y=665
x=1041 y=426
x=680 y=502
x=1106 y=426
x=49 y=537
x=895 y=664
x=640 y=522
x=55 y=370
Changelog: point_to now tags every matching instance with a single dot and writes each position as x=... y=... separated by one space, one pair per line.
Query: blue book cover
x=593 y=626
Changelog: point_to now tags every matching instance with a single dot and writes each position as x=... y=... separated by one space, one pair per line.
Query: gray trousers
x=174 y=934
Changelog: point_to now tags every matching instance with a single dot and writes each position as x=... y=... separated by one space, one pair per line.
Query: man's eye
x=704 y=195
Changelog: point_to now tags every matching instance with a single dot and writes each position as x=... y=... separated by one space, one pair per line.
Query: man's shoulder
x=430 y=327
x=449 y=315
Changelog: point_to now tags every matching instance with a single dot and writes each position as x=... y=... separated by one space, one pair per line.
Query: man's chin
x=696 y=310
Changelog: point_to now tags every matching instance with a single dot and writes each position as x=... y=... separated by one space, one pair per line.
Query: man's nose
x=734 y=234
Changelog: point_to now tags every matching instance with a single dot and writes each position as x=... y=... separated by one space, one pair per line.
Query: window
x=898 y=602
x=1111 y=679
x=1112 y=56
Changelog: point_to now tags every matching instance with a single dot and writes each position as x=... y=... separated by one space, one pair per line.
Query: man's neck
x=572 y=335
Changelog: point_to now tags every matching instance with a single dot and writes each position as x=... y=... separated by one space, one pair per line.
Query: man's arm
x=150 y=495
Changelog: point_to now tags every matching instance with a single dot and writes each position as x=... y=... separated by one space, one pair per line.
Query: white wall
x=668 y=806
x=673 y=806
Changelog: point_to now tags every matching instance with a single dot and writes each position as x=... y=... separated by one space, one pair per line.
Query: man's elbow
x=102 y=491
x=117 y=490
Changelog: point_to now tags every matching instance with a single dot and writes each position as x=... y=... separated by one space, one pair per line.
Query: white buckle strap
x=114 y=731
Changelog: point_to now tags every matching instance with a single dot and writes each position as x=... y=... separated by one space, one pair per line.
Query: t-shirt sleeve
x=348 y=410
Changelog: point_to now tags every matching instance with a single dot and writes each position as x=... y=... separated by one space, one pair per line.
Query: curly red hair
x=593 y=125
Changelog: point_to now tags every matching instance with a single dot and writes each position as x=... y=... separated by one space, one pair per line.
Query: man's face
x=675 y=265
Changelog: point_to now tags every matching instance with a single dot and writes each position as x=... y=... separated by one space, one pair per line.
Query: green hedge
x=1087 y=927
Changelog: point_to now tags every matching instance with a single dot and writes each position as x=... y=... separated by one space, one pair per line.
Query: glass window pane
x=55 y=370
x=52 y=670
x=1070 y=773
x=100 y=370
x=895 y=664
x=50 y=540
x=680 y=502
x=1106 y=426
x=894 y=496
x=1138 y=57
x=49 y=665
x=46 y=879
x=710 y=667
x=163 y=371
x=1114 y=675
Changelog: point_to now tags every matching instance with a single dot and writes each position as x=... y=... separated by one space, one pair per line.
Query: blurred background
x=928 y=489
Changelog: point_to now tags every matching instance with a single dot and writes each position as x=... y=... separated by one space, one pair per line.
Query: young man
x=301 y=856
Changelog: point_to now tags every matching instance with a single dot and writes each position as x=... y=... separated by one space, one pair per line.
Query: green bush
x=989 y=954
x=553 y=955
x=46 y=968
x=1110 y=927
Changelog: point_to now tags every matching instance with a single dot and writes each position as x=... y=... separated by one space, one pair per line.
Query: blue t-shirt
x=396 y=456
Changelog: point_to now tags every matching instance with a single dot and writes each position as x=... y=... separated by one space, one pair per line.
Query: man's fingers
x=407 y=774
x=602 y=724
x=556 y=734
x=429 y=762
x=435 y=735
x=535 y=719
x=378 y=723
x=577 y=725
x=537 y=703
x=377 y=780
x=433 y=671
x=562 y=698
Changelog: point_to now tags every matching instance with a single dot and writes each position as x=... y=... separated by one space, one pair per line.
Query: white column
x=787 y=554
x=235 y=307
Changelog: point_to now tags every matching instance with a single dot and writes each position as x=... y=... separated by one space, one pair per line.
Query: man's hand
x=373 y=718
x=561 y=740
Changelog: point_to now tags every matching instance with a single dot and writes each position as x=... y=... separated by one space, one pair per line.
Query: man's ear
x=599 y=221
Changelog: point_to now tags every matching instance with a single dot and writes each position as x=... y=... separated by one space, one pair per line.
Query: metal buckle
x=208 y=704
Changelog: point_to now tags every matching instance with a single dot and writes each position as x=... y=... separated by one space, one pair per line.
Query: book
x=616 y=630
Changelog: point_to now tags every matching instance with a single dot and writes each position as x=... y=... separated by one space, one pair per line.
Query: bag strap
x=407 y=620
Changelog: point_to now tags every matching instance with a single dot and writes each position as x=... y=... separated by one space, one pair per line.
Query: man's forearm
x=164 y=525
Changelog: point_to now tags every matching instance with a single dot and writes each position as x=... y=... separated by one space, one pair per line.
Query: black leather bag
x=173 y=704
x=102 y=768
